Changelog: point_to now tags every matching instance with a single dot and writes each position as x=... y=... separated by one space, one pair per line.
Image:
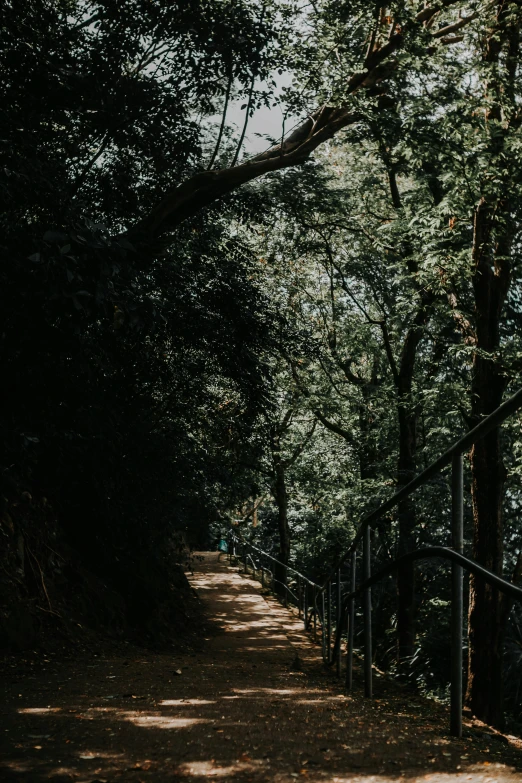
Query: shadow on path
x=237 y=711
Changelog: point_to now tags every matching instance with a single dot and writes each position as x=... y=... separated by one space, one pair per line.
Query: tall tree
x=493 y=236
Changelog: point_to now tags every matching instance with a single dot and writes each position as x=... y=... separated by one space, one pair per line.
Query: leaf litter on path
x=239 y=713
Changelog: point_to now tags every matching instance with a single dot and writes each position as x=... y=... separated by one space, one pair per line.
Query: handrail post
x=245 y=557
x=367 y=610
x=285 y=585
x=323 y=624
x=351 y=622
x=329 y=620
x=299 y=596
x=314 y=599
x=305 y=604
x=457 y=542
x=339 y=623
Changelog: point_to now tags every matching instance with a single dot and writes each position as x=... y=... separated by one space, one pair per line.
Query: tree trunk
x=486 y=620
x=405 y=472
x=406 y=469
x=407 y=538
x=486 y=626
x=368 y=424
x=281 y=499
x=492 y=245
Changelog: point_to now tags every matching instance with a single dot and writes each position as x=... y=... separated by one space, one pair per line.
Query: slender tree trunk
x=486 y=625
x=280 y=494
x=407 y=420
x=405 y=472
x=407 y=537
x=406 y=469
x=368 y=457
x=281 y=498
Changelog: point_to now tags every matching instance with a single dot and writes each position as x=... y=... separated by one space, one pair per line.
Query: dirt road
x=239 y=710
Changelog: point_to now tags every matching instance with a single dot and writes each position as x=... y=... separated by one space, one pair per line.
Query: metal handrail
x=445 y=553
x=425 y=553
x=487 y=424
x=345 y=604
x=302 y=580
x=274 y=559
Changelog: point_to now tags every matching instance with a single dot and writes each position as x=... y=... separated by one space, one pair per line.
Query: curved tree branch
x=206 y=187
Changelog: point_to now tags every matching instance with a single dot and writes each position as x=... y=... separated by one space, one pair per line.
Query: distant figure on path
x=222 y=547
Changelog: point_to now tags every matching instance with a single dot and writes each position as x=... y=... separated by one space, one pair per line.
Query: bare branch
x=300 y=448
x=427 y=13
x=453 y=40
x=95 y=18
x=451 y=28
x=252 y=511
x=333 y=427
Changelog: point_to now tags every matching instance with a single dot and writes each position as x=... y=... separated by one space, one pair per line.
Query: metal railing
x=267 y=566
x=325 y=598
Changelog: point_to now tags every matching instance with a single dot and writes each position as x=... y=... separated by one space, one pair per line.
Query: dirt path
x=237 y=711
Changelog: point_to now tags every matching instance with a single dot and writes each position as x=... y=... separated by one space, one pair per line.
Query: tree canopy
x=195 y=336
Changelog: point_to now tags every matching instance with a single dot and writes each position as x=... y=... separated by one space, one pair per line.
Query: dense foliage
x=129 y=384
x=180 y=353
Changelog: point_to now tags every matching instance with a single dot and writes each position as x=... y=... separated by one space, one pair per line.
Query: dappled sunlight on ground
x=266 y=691
x=236 y=712
x=184 y=702
x=62 y=773
x=88 y=755
x=160 y=721
x=209 y=769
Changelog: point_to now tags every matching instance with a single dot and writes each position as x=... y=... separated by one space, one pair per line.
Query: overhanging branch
x=206 y=187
